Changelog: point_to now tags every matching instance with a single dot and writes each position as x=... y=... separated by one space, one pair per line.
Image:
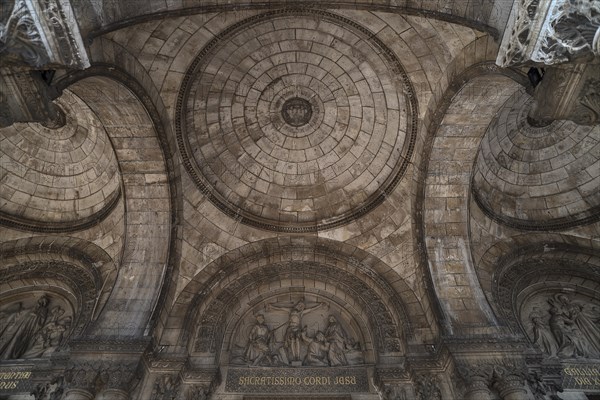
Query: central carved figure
x=293 y=333
x=302 y=336
x=296 y=112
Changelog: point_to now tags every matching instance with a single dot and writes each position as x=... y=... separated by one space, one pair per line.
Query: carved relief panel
x=297 y=332
x=563 y=325
x=33 y=325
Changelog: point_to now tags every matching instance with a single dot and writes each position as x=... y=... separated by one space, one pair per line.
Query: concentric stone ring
x=296 y=121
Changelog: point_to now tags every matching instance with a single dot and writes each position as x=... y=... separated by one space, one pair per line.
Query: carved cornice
x=113 y=345
x=391 y=374
x=94 y=376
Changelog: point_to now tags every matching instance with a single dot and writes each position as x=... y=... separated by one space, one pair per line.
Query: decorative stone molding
x=42 y=34
x=550 y=32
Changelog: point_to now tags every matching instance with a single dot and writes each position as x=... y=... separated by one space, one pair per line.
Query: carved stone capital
x=477 y=380
x=392 y=392
x=118 y=376
x=511 y=386
x=166 y=387
x=42 y=34
x=83 y=377
x=550 y=32
x=427 y=388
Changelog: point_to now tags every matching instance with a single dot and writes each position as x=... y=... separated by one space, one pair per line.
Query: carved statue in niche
x=571 y=331
x=322 y=341
x=28 y=332
x=258 y=350
x=293 y=332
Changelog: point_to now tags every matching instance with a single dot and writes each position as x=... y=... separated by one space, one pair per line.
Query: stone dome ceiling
x=537 y=176
x=58 y=176
x=296 y=121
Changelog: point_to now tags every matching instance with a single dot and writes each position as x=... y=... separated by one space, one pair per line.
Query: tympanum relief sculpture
x=564 y=327
x=31 y=329
x=282 y=335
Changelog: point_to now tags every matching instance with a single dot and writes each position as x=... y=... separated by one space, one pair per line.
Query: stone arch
x=303 y=255
x=487 y=18
x=441 y=207
x=141 y=135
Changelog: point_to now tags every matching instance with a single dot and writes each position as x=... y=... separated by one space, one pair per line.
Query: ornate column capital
x=550 y=32
x=477 y=381
x=428 y=388
x=42 y=34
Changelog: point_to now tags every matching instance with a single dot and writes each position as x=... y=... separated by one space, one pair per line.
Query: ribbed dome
x=296 y=122
x=535 y=176
x=58 y=175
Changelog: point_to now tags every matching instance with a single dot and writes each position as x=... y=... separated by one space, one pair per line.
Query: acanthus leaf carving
x=427 y=388
x=166 y=387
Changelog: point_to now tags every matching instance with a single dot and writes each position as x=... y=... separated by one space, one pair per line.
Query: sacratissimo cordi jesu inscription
x=296 y=380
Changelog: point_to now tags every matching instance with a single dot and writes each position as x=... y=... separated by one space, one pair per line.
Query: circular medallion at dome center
x=296 y=111
x=296 y=121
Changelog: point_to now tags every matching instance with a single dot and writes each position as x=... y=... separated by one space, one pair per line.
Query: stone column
x=478 y=389
x=78 y=394
x=511 y=387
x=113 y=394
x=476 y=380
